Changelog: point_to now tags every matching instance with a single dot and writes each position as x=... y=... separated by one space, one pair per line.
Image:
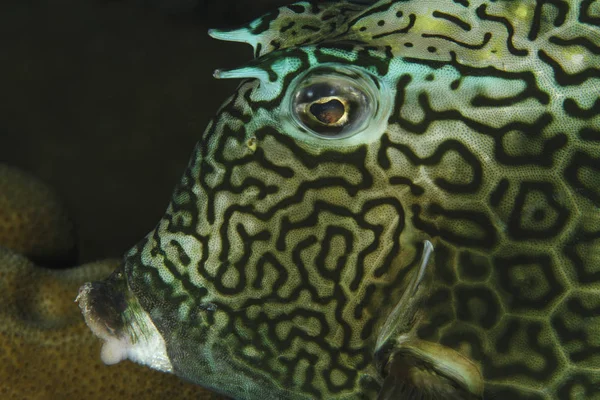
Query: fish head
x=286 y=241
x=294 y=259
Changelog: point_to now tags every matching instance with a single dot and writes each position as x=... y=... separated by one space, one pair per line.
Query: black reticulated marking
x=531 y=130
x=434 y=160
x=500 y=393
x=527 y=93
x=372 y=10
x=358 y=310
x=322 y=207
x=499 y=192
x=311 y=28
x=265 y=22
x=363 y=57
x=586 y=272
x=485 y=40
x=436 y=321
x=576 y=41
x=284 y=172
x=537 y=21
x=282 y=345
x=162 y=296
x=588 y=351
x=297 y=8
x=287 y=27
x=503 y=343
x=528 y=281
x=574 y=323
x=484 y=234
x=471 y=338
x=463 y=3
x=520 y=367
x=584 y=16
x=282 y=273
x=184 y=215
x=589 y=134
x=453 y=19
x=334 y=274
x=477 y=304
x=412 y=18
x=576 y=306
x=562 y=77
x=572 y=108
x=445 y=268
x=473 y=267
x=483 y=15
x=355 y=156
x=192 y=291
x=184 y=259
x=536 y=214
x=414 y=188
x=240 y=265
x=579 y=163
x=572 y=386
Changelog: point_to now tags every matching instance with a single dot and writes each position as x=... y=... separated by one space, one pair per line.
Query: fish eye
x=333 y=103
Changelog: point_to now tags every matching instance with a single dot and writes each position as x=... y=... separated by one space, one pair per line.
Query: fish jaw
x=113 y=314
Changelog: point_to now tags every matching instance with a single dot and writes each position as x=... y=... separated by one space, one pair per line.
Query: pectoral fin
x=415 y=369
x=421 y=370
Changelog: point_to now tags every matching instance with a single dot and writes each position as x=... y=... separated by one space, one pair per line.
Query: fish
x=399 y=201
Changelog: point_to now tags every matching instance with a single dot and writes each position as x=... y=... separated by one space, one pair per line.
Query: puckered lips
x=113 y=314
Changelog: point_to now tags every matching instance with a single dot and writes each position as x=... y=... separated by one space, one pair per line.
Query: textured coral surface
x=33 y=220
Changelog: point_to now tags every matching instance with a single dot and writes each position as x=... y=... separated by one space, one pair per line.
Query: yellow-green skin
x=284 y=250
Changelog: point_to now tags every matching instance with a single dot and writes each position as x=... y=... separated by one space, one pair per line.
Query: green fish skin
x=400 y=201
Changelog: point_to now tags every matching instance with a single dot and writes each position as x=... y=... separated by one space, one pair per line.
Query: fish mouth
x=113 y=314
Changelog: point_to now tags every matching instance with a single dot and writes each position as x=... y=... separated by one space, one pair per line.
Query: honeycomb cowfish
x=400 y=201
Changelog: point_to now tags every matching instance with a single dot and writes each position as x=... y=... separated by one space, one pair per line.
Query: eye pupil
x=330 y=102
x=328 y=112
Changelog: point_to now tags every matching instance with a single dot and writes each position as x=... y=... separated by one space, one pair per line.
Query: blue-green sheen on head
x=295 y=258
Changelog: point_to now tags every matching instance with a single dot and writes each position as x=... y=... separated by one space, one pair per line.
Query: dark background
x=104 y=100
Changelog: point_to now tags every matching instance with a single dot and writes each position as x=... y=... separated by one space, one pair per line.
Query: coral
x=33 y=220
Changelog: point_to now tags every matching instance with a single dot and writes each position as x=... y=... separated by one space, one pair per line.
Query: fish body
x=401 y=199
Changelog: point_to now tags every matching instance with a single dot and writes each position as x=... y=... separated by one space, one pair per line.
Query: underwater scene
x=359 y=199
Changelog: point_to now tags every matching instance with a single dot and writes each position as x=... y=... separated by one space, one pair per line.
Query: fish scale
x=432 y=232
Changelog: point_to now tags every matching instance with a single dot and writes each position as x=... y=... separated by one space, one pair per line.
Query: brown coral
x=33 y=220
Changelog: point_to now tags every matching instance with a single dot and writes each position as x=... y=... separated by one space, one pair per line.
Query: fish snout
x=113 y=314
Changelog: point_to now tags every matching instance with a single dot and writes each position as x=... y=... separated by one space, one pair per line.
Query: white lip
x=139 y=341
